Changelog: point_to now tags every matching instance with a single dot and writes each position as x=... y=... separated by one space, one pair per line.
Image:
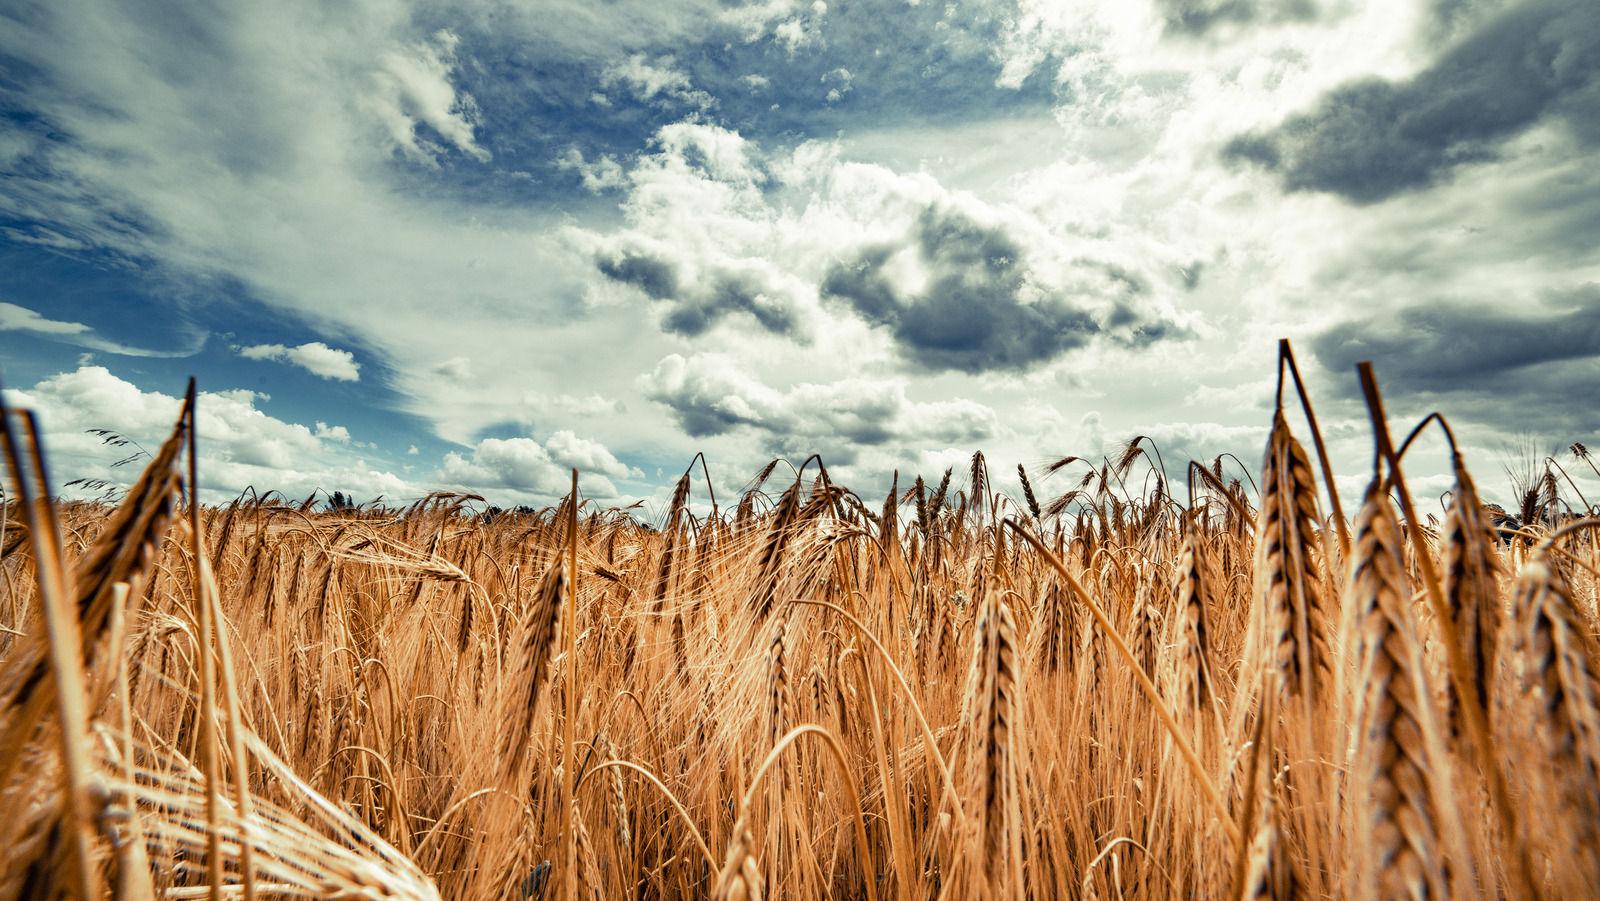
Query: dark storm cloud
x=1371 y=139
x=694 y=306
x=731 y=292
x=1194 y=18
x=1514 y=371
x=980 y=309
x=656 y=277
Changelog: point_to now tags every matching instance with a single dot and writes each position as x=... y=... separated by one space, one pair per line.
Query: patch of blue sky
x=862 y=67
x=157 y=330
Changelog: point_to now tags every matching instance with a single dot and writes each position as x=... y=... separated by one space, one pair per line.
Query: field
x=1138 y=689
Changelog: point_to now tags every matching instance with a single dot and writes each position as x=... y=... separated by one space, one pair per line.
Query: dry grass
x=947 y=694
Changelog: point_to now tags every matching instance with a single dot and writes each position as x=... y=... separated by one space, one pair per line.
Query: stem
x=65 y=644
x=570 y=840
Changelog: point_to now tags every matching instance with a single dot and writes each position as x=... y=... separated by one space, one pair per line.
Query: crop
x=1135 y=689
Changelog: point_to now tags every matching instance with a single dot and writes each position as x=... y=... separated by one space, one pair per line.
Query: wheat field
x=1140 y=688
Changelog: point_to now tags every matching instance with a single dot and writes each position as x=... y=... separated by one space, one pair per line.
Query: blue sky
x=466 y=246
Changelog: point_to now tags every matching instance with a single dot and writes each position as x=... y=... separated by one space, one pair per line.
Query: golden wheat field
x=1139 y=689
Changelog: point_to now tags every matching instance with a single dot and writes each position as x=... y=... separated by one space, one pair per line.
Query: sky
x=468 y=246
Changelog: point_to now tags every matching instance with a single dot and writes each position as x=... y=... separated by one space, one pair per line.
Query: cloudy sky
x=468 y=245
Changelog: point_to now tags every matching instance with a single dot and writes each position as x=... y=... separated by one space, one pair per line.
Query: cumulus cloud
x=957 y=283
x=240 y=445
x=700 y=221
x=1373 y=138
x=603 y=174
x=333 y=433
x=525 y=465
x=1180 y=442
x=712 y=395
x=314 y=357
x=568 y=450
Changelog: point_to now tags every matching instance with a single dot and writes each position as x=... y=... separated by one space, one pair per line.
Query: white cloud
x=412 y=87
x=456 y=369
x=333 y=433
x=314 y=357
x=543 y=470
x=711 y=394
x=603 y=174
x=659 y=81
x=240 y=445
x=21 y=319
x=567 y=449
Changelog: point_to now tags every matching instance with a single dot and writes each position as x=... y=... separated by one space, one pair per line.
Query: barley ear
x=1472 y=590
x=740 y=879
x=1290 y=625
x=1553 y=710
x=536 y=646
x=992 y=732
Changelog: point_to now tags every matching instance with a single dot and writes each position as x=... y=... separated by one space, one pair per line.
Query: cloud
x=22 y=319
x=314 y=357
x=14 y=318
x=713 y=395
x=959 y=293
x=525 y=465
x=1371 y=138
x=240 y=445
x=603 y=174
x=568 y=450
x=456 y=369
x=1447 y=348
x=1515 y=371
x=957 y=283
x=700 y=221
x=1195 y=18
x=1180 y=442
x=659 y=82
x=412 y=88
x=333 y=433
